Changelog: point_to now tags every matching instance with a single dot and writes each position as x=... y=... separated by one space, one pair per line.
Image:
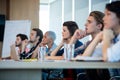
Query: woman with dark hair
x=69 y=27
x=111 y=36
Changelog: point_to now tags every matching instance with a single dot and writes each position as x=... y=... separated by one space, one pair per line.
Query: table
x=19 y=70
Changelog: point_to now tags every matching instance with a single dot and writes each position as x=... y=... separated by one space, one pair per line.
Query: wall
x=3 y=10
x=20 y=10
x=25 y=9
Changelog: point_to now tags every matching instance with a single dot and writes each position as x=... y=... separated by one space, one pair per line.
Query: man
x=36 y=36
x=47 y=41
x=21 y=39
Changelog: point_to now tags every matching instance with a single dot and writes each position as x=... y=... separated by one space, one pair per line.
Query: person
x=19 y=43
x=36 y=36
x=93 y=26
x=48 y=41
x=111 y=35
x=69 y=27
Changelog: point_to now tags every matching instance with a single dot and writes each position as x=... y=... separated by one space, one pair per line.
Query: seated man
x=48 y=41
x=21 y=39
x=36 y=36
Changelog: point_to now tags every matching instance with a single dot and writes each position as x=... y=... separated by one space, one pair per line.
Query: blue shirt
x=77 y=44
x=48 y=51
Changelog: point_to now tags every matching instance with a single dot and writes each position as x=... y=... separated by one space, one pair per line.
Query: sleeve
x=60 y=52
x=113 y=53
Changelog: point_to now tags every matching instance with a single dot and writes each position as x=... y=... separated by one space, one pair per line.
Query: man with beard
x=36 y=36
x=17 y=47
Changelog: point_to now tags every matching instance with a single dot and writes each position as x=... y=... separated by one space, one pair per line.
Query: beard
x=31 y=41
x=17 y=45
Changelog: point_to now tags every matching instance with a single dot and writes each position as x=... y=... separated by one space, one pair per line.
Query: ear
x=38 y=37
x=99 y=26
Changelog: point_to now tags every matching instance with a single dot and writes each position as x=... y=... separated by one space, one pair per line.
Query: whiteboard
x=12 y=28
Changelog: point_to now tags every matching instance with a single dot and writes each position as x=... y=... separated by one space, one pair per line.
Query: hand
x=42 y=44
x=99 y=36
x=79 y=34
x=12 y=46
x=108 y=34
x=24 y=44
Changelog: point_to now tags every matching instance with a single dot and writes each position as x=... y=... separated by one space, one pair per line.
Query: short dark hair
x=71 y=26
x=98 y=16
x=38 y=33
x=114 y=7
x=22 y=36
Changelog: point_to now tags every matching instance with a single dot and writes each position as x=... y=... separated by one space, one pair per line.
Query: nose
x=104 y=18
x=85 y=25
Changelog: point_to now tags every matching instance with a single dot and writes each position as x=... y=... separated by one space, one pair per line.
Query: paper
x=86 y=58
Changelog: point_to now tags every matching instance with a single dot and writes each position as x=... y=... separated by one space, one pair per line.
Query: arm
x=54 y=57
x=91 y=47
x=107 y=40
x=79 y=34
x=54 y=52
x=35 y=52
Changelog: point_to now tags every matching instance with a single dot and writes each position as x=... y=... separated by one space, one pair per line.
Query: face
x=110 y=20
x=65 y=33
x=91 y=25
x=18 y=41
x=32 y=36
x=45 y=39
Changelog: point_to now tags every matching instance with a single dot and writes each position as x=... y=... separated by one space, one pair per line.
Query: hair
x=114 y=7
x=98 y=16
x=22 y=36
x=39 y=33
x=51 y=35
x=71 y=26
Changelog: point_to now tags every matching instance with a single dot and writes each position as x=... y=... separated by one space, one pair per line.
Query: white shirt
x=98 y=50
x=113 y=53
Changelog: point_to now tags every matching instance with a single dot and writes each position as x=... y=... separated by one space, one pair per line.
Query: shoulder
x=78 y=43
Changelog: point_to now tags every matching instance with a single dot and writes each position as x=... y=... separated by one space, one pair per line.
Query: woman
x=111 y=35
x=112 y=22
x=69 y=27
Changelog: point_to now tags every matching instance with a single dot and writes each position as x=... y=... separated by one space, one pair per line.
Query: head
x=69 y=28
x=112 y=16
x=49 y=37
x=94 y=22
x=20 y=38
x=36 y=35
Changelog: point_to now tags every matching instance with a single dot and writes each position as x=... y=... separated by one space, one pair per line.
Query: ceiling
x=46 y=1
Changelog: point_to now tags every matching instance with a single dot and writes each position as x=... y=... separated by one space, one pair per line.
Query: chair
x=115 y=78
x=57 y=74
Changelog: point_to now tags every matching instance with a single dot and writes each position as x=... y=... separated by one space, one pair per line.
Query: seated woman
x=111 y=35
x=69 y=28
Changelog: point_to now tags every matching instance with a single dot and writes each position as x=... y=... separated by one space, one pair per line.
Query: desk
x=18 y=70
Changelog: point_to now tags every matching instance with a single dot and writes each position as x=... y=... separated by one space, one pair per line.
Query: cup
x=42 y=53
x=68 y=51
